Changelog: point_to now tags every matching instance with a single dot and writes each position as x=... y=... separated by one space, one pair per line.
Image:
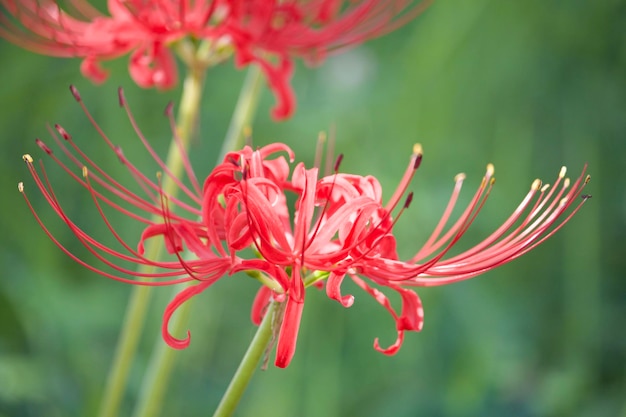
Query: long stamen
x=520 y=241
x=85 y=240
x=170 y=233
x=371 y=248
x=414 y=164
x=320 y=218
x=155 y=156
x=434 y=242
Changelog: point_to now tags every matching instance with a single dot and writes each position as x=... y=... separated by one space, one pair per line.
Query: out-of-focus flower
x=269 y=33
x=240 y=220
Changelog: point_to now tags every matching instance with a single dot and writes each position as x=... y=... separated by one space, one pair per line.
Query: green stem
x=156 y=378
x=248 y=365
x=244 y=112
x=140 y=297
x=157 y=375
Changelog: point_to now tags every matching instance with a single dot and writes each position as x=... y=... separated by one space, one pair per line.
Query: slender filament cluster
x=240 y=220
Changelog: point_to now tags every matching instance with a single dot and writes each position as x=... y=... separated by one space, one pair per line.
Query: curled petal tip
x=391 y=350
x=347 y=301
x=176 y=343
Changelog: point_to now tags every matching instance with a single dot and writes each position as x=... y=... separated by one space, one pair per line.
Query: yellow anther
x=85 y=172
x=566 y=183
x=563 y=201
x=587 y=179
x=459 y=177
x=490 y=170
x=20 y=187
x=27 y=158
x=536 y=185
x=321 y=137
x=562 y=172
x=544 y=188
x=417 y=149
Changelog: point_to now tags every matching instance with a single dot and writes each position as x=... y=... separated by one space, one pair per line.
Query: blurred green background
x=528 y=86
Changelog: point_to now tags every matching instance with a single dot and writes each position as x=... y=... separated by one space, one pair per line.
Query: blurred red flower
x=240 y=220
x=269 y=33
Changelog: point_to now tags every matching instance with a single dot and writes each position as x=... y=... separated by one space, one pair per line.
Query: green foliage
x=529 y=86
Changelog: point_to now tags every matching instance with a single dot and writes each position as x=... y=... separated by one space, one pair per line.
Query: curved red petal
x=333 y=289
x=178 y=300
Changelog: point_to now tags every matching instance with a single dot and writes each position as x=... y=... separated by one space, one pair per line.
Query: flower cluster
x=269 y=33
x=338 y=228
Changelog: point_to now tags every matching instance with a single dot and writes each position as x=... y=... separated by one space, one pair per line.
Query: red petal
x=288 y=336
x=180 y=298
x=259 y=306
x=333 y=290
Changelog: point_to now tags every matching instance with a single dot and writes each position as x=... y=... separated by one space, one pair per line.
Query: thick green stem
x=157 y=375
x=248 y=364
x=140 y=297
x=155 y=381
x=244 y=112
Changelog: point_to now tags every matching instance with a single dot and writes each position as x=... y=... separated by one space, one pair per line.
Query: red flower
x=269 y=33
x=338 y=227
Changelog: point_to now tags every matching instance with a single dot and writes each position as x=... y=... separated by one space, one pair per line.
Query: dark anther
x=169 y=109
x=418 y=161
x=233 y=161
x=409 y=199
x=120 y=96
x=43 y=146
x=62 y=132
x=338 y=162
x=75 y=93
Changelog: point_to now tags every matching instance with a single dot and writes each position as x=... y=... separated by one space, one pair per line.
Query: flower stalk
x=249 y=363
x=140 y=297
x=244 y=112
x=155 y=380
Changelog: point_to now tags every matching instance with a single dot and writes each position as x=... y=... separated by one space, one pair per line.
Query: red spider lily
x=341 y=227
x=269 y=33
x=240 y=220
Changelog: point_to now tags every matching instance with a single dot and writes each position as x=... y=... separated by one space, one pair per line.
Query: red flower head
x=269 y=33
x=240 y=220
